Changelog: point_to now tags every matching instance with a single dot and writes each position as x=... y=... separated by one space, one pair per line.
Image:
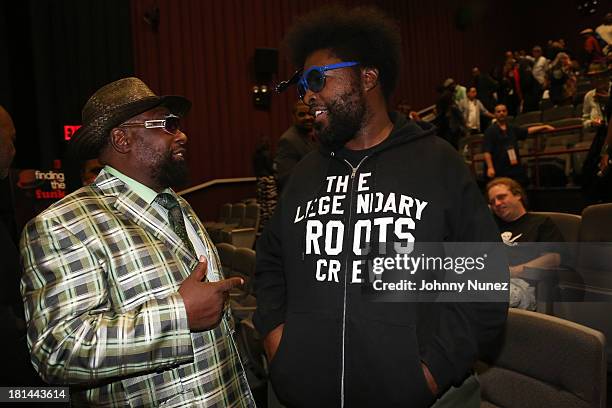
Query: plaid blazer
x=100 y=286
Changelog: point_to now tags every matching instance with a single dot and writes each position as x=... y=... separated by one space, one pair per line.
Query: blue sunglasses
x=314 y=77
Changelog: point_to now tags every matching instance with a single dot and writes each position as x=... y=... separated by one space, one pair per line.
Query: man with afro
x=377 y=185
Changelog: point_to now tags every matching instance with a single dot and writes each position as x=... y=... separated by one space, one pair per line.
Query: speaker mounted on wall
x=265 y=62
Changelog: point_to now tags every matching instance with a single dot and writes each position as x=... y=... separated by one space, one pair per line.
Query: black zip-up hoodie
x=338 y=348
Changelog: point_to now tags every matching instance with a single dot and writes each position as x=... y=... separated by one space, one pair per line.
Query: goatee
x=346 y=115
x=171 y=172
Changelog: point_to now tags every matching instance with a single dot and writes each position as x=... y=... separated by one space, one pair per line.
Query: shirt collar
x=144 y=192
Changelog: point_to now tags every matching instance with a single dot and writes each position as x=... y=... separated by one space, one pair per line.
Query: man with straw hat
x=122 y=287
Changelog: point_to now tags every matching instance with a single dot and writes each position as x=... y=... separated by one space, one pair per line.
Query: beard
x=165 y=171
x=171 y=172
x=345 y=116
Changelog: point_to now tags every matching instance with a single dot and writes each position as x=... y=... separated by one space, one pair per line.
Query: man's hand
x=272 y=340
x=431 y=382
x=204 y=300
x=414 y=115
x=596 y=122
x=516 y=270
x=490 y=172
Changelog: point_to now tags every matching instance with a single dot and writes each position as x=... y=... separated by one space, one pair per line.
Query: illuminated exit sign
x=69 y=131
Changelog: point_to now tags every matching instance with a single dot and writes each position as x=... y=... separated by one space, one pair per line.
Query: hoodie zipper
x=353 y=173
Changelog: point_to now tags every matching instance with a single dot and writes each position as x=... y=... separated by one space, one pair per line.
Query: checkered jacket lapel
x=133 y=207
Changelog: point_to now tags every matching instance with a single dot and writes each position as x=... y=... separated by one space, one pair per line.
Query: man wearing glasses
x=123 y=289
x=378 y=184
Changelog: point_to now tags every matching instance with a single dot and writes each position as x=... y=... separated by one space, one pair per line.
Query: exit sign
x=69 y=130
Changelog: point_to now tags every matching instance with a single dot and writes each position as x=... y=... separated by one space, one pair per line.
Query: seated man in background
x=517 y=226
x=294 y=144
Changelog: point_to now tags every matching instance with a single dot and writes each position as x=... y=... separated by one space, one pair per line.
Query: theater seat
x=557 y=112
x=236 y=218
x=568 y=224
x=545 y=361
x=549 y=281
x=595 y=269
x=527 y=118
x=243 y=266
x=224 y=216
x=226 y=256
x=243 y=235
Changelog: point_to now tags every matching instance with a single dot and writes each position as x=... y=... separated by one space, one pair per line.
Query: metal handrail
x=536 y=151
x=211 y=183
x=430 y=115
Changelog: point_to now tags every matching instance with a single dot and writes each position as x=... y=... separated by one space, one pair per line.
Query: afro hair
x=363 y=34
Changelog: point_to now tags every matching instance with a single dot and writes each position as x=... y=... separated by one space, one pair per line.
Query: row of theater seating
x=550 y=115
x=560 y=357
x=240 y=262
x=581 y=291
x=238 y=224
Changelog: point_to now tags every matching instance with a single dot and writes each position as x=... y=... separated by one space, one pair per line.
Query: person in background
x=449 y=119
x=592 y=50
x=267 y=192
x=458 y=91
x=473 y=110
x=90 y=170
x=596 y=100
x=123 y=290
x=562 y=80
x=18 y=369
x=604 y=30
x=7 y=142
x=596 y=178
x=294 y=144
x=554 y=48
x=508 y=86
x=540 y=66
x=501 y=150
x=486 y=88
x=519 y=229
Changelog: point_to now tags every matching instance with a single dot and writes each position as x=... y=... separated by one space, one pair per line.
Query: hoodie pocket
x=384 y=366
x=307 y=359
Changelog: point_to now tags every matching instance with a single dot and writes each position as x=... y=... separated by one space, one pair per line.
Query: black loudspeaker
x=266 y=62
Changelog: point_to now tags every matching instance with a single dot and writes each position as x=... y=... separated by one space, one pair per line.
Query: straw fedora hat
x=112 y=105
